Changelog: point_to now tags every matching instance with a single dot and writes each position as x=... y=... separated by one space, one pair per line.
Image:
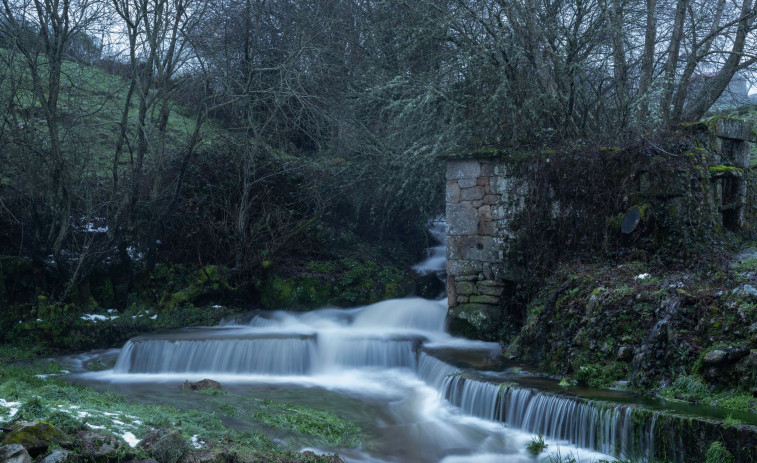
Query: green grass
x=72 y=407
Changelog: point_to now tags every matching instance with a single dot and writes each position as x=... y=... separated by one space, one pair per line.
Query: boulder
x=58 y=456
x=101 y=448
x=715 y=357
x=203 y=456
x=14 y=453
x=199 y=385
x=37 y=437
x=166 y=446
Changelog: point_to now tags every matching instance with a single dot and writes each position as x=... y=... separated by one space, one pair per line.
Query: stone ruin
x=484 y=196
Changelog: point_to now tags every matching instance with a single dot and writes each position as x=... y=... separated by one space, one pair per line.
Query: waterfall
x=600 y=426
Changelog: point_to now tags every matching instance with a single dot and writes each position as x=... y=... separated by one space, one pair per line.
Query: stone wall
x=482 y=198
x=485 y=195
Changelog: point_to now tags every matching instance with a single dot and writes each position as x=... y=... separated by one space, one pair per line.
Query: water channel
x=419 y=394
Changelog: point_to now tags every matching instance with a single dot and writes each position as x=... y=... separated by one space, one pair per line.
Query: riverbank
x=686 y=333
x=105 y=427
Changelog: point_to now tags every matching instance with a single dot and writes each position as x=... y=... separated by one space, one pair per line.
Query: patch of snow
x=196 y=443
x=217 y=306
x=643 y=276
x=154 y=317
x=130 y=439
x=94 y=426
x=97 y=317
x=119 y=422
x=112 y=311
x=39 y=319
x=73 y=407
x=83 y=414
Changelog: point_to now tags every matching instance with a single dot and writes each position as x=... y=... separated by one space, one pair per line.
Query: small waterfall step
x=242 y=352
x=622 y=430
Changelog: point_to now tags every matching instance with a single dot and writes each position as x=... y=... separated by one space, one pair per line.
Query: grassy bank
x=30 y=392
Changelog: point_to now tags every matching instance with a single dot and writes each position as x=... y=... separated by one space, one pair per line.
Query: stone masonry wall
x=481 y=200
x=484 y=196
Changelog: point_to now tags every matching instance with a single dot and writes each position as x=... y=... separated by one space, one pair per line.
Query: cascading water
x=432 y=410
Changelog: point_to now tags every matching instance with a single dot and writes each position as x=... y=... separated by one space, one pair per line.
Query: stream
x=419 y=394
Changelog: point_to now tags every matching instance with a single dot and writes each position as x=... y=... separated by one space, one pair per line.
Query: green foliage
x=324 y=426
x=717 y=453
x=536 y=446
x=689 y=388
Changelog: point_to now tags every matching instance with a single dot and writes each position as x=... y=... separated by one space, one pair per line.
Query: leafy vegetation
x=536 y=446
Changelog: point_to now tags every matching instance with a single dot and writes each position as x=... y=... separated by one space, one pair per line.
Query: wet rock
x=428 y=286
x=58 y=456
x=715 y=357
x=37 y=437
x=625 y=354
x=312 y=456
x=14 y=453
x=165 y=445
x=101 y=448
x=199 y=385
x=203 y=456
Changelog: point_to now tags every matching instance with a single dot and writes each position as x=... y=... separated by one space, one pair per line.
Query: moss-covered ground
x=30 y=392
x=685 y=334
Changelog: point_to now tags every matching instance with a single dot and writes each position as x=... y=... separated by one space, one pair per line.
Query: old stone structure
x=482 y=199
x=485 y=196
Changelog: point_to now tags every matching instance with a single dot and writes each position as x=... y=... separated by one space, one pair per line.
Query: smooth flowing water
x=420 y=394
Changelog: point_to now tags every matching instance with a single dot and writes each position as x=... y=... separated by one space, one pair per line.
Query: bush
x=717 y=453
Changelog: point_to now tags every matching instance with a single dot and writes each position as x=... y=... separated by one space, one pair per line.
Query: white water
x=374 y=353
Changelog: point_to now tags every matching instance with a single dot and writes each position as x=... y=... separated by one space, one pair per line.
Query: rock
x=14 y=453
x=428 y=286
x=312 y=456
x=715 y=357
x=203 y=456
x=165 y=445
x=58 y=456
x=625 y=354
x=101 y=448
x=746 y=291
x=37 y=437
x=199 y=385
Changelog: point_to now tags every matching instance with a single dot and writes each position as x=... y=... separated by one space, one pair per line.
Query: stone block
x=491 y=283
x=490 y=290
x=463 y=169
x=463 y=267
x=453 y=192
x=465 y=288
x=480 y=316
x=475 y=248
x=462 y=299
x=733 y=129
x=451 y=293
x=487 y=169
x=482 y=181
x=485 y=214
x=475 y=193
x=462 y=219
x=484 y=299
x=467 y=182
x=492 y=199
x=486 y=228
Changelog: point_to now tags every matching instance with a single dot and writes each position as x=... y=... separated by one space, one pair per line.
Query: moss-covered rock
x=37 y=437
